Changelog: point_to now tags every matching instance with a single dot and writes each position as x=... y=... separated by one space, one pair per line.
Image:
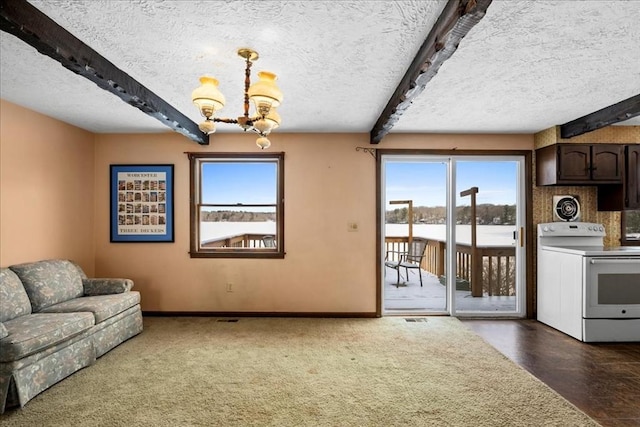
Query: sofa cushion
x=49 y=282
x=3 y=331
x=83 y=275
x=14 y=301
x=102 y=306
x=94 y=287
x=37 y=332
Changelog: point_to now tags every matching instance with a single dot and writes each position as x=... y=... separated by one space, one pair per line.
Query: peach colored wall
x=46 y=189
x=327 y=185
x=51 y=179
x=326 y=269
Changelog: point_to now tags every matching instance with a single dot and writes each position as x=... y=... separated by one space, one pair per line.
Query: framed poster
x=141 y=203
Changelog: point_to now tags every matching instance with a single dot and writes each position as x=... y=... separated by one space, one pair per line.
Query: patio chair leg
x=398 y=280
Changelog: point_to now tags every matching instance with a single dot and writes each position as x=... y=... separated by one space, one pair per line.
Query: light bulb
x=265 y=91
x=207 y=97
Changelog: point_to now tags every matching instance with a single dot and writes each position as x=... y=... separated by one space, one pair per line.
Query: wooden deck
x=431 y=297
x=489 y=270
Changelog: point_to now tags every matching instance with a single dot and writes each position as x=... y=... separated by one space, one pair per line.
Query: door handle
x=522 y=237
x=519 y=235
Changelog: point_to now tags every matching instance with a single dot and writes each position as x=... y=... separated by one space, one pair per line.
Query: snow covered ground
x=487 y=235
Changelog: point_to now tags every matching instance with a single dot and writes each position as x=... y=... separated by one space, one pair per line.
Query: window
x=237 y=205
x=630 y=228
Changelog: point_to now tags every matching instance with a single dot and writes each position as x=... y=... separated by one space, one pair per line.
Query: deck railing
x=238 y=241
x=497 y=266
x=497 y=263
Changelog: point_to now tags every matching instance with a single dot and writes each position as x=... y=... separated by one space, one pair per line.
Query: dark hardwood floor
x=601 y=379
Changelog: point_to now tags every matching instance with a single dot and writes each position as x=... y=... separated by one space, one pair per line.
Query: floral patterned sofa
x=54 y=321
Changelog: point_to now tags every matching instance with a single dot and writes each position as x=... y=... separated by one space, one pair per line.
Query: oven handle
x=615 y=261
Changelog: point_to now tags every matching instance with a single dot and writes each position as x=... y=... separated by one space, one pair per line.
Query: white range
x=584 y=289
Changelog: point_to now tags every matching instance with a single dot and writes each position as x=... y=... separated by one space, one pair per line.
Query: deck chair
x=269 y=241
x=408 y=260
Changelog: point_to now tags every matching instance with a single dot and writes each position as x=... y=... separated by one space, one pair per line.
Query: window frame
x=195 y=167
x=623 y=230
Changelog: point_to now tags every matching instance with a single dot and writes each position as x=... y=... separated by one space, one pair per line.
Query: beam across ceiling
x=23 y=20
x=455 y=22
x=615 y=113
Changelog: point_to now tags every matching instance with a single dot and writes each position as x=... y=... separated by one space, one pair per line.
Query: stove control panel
x=571 y=229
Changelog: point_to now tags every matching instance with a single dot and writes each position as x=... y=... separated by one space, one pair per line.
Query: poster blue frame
x=136 y=192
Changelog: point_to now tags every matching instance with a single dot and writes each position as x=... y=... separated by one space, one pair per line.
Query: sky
x=425 y=182
x=239 y=182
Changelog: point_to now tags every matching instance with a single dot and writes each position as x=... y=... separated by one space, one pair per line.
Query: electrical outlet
x=229 y=287
x=352 y=226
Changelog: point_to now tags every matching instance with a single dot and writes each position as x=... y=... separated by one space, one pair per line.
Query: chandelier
x=264 y=94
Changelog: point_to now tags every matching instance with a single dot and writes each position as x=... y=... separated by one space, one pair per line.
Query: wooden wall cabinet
x=627 y=195
x=580 y=164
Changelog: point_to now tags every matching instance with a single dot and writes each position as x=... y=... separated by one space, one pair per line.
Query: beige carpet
x=301 y=372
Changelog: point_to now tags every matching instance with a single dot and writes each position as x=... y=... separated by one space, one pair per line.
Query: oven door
x=612 y=287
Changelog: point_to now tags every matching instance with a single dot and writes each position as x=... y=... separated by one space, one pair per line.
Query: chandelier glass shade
x=264 y=94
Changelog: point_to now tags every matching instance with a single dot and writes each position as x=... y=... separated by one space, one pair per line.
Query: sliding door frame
x=528 y=191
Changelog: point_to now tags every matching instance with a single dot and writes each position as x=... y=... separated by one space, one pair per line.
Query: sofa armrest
x=3 y=331
x=106 y=286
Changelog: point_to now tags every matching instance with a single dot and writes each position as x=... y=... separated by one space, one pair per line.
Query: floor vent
x=228 y=320
x=416 y=319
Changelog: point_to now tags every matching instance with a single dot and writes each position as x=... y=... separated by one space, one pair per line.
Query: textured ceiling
x=527 y=66
x=531 y=65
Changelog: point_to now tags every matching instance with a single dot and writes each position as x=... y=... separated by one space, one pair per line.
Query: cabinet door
x=632 y=185
x=607 y=163
x=574 y=163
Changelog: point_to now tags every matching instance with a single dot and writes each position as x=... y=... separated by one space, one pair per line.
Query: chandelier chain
x=247 y=83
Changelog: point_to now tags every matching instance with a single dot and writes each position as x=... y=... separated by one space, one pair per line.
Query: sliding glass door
x=415 y=218
x=453 y=235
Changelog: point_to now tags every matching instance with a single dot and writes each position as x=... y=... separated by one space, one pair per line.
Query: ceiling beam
x=23 y=20
x=455 y=22
x=615 y=113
